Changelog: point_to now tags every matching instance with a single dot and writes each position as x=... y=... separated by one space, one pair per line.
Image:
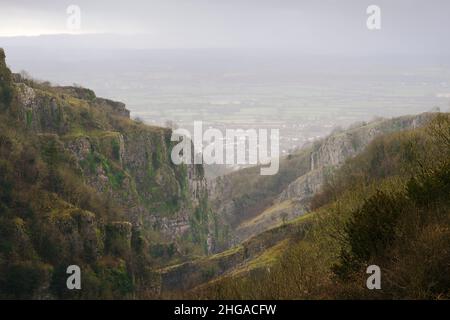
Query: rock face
x=128 y=161
x=41 y=112
x=117 y=107
x=77 y=92
x=304 y=186
x=105 y=193
x=332 y=151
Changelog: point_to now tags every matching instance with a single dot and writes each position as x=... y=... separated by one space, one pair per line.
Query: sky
x=310 y=26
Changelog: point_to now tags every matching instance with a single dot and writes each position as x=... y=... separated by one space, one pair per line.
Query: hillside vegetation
x=250 y=203
x=83 y=184
x=388 y=206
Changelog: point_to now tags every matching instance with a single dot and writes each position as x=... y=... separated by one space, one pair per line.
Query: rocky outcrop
x=128 y=161
x=304 y=186
x=77 y=92
x=117 y=107
x=332 y=151
x=104 y=192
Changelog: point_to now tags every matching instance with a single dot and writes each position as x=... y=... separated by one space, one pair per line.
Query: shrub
x=23 y=279
x=371 y=230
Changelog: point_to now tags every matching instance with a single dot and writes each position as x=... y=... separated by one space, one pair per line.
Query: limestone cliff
x=332 y=151
x=128 y=161
x=84 y=184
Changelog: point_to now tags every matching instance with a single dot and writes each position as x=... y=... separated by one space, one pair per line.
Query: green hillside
x=250 y=203
x=83 y=184
x=388 y=206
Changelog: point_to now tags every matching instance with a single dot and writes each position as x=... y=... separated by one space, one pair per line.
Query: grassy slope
x=250 y=256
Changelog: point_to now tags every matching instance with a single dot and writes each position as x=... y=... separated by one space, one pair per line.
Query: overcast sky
x=312 y=26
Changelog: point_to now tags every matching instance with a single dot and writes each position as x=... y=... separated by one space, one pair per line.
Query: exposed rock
x=138 y=158
x=332 y=151
x=304 y=187
x=118 y=108
x=102 y=188
x=77 y=92
x=40 y=112
x=80 y=147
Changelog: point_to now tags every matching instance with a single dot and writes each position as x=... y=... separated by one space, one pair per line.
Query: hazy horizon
x=304 y=66
x=314 y=27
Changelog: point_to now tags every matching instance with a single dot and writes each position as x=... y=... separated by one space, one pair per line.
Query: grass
x=265 y=259
x=262 y=261
x=285 y=205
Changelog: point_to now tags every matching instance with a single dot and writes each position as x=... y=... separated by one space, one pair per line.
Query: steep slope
x=83 y=184
x=388 y=206
x=251 y=203
x=249 y=256
x=272 y=233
